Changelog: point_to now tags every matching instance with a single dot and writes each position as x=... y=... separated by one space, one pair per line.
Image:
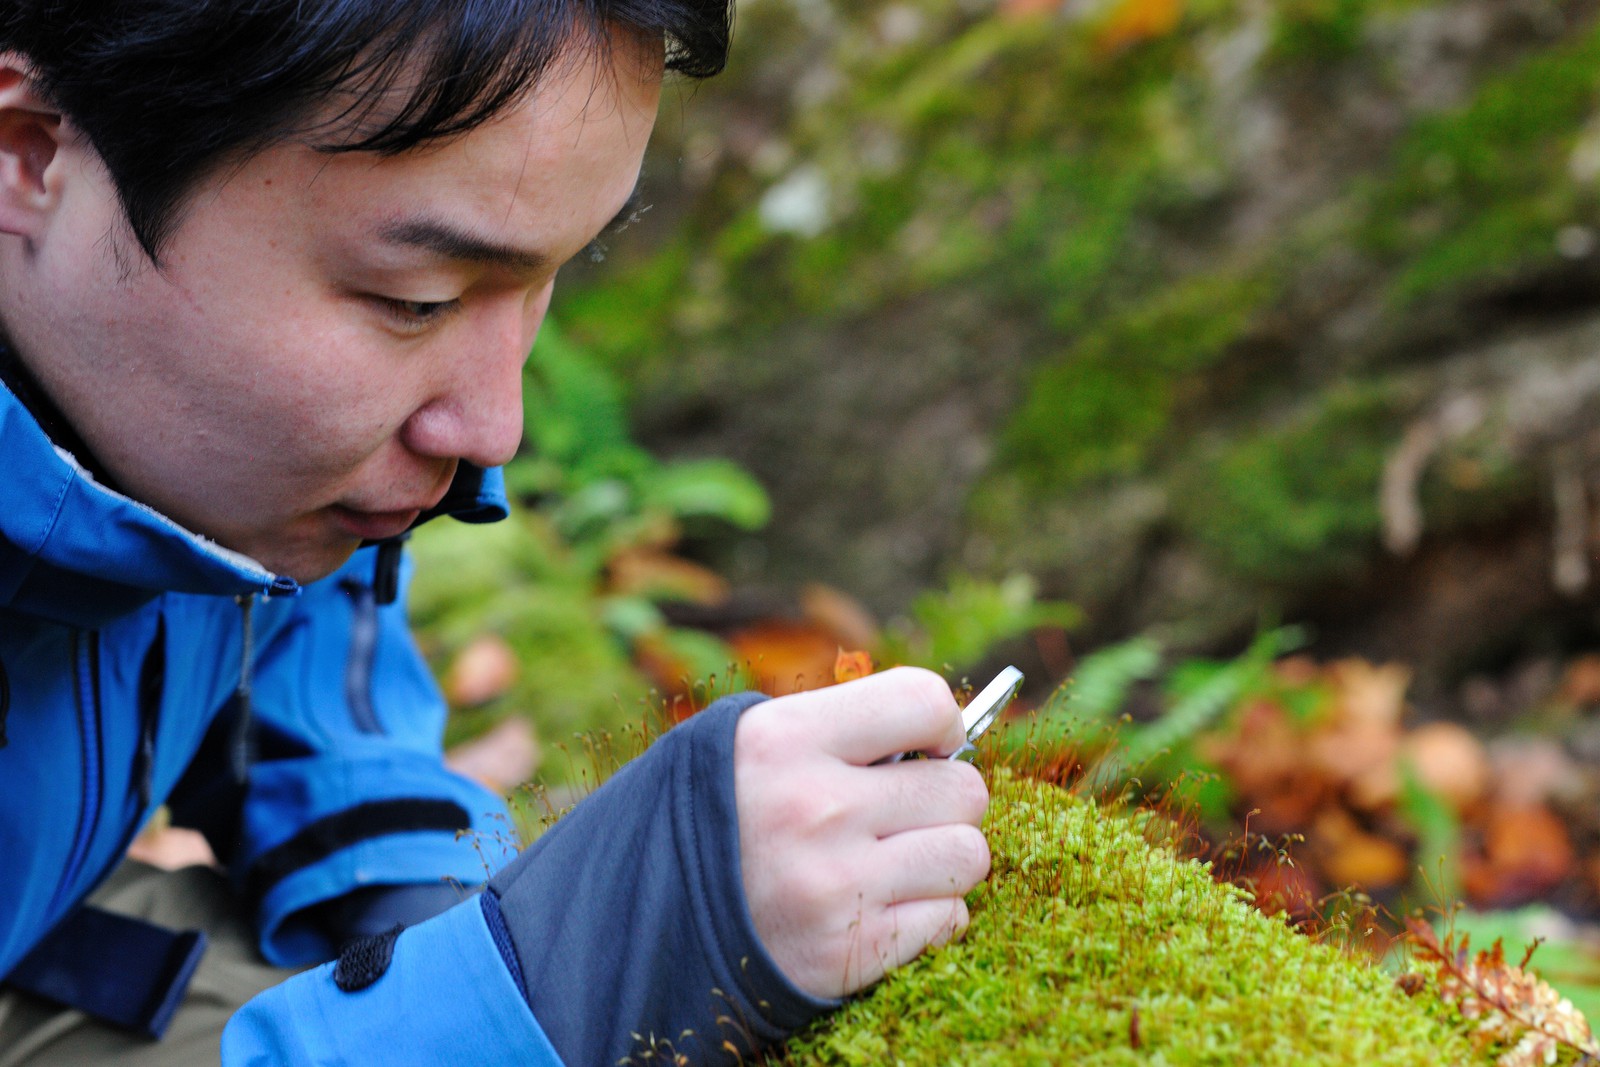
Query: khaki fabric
x=34 y=1033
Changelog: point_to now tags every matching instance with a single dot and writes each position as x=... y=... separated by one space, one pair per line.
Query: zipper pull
x=241 y=746
x=386 y=571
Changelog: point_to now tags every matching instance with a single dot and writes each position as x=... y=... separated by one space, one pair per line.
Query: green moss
x=980 y=175
x=1480 y=192
x=1318 y=30
x=1103 y=407
x=1083 y=922
x=1299 y=500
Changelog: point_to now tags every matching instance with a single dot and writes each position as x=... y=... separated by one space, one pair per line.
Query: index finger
x=901 y=710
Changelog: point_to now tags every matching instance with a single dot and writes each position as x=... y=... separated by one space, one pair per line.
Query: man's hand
x=852 y=869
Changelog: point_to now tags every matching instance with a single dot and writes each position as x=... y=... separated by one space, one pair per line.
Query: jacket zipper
x=86 y=656
x=5 y=702
x=363 y=651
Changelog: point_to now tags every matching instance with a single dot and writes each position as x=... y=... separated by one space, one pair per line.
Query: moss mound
x=1091 y=945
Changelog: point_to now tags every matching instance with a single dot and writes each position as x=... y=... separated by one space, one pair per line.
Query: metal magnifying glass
x=981 y=712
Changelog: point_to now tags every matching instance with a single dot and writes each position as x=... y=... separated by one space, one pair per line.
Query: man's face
x=330 y=334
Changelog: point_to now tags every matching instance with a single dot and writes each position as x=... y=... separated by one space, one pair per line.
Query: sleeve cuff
x=708 y=826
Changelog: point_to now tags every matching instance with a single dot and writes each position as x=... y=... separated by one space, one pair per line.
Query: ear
x=30 y=150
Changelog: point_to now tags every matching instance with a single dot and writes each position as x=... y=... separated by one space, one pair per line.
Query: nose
x=476 y=412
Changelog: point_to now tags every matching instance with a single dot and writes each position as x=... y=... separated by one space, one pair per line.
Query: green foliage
x=1296 y=500
x=517 y=579
x=1111 y=214
x=1104 y=679
x=1318 y=29
x=1313 y=31
x=1438 y=829
x=1201 y=692
x=623 y=321
x=1481 y=191
x=1089 y=944
x=1192 y=695
x=600 y=489
x=951 y=629
x=982 y=176
x=1100 y=409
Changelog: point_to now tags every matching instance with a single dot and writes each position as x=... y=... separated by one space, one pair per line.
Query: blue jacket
x=142 y=665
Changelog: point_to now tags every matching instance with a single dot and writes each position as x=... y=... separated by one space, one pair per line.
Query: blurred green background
x=1181 y=335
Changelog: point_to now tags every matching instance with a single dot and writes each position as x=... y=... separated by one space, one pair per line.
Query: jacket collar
x=75 y=551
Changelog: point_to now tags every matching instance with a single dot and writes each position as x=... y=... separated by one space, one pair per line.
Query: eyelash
x=417 y=313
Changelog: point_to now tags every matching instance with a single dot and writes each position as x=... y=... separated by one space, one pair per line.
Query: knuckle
x=821 y=889
x=929 y=690
x=763 y=735
x=819 y=814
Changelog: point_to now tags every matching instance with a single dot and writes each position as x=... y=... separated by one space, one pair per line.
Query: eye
x=416 y=314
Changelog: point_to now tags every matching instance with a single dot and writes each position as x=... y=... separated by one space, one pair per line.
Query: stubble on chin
x=307 y=552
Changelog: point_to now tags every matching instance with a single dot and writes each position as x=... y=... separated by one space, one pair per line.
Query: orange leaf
x=786 y=657
x=1526 y=854
x=848 y=666
x=1135 y=21
x=1352 y=856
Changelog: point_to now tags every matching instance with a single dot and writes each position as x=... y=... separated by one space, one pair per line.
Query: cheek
x=323 y=407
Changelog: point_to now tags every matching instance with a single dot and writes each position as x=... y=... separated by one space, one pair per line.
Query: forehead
x=545 y=173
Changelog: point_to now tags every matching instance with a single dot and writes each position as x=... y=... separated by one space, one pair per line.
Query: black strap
x=318 y=840
x=386 y=570
x=123 y=971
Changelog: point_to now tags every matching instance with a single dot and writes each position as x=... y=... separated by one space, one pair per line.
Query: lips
x=377 y=525
x=374 y=525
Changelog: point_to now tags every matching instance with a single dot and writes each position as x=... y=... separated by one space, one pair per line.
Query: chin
x=305 y=563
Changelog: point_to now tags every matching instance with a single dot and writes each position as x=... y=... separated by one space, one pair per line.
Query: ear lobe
x=30 y=144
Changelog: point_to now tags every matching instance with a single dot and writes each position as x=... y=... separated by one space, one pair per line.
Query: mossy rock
x=1088 y=923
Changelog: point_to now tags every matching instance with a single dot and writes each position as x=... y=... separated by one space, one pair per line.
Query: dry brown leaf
x=1351 y=856
x=651 y=572
x=1449 y=762
x=1265 y=760
x=1360 y=742
x=1018 y=10
x=851 y=624
x=501 y=759
x=1581 y=685
x=1526 y=853
x=1510 y=1005
x=482 y=671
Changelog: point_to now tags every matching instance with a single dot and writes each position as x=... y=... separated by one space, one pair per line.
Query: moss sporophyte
x=1092 y=942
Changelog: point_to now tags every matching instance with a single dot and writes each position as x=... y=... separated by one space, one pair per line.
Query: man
x=268 y=274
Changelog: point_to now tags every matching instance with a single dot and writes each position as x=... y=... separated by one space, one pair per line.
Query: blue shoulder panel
x=445 y=997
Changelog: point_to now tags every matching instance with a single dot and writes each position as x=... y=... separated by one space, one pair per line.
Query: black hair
x=168 y=90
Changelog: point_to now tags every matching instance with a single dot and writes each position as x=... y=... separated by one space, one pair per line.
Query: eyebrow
x=452 y=242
